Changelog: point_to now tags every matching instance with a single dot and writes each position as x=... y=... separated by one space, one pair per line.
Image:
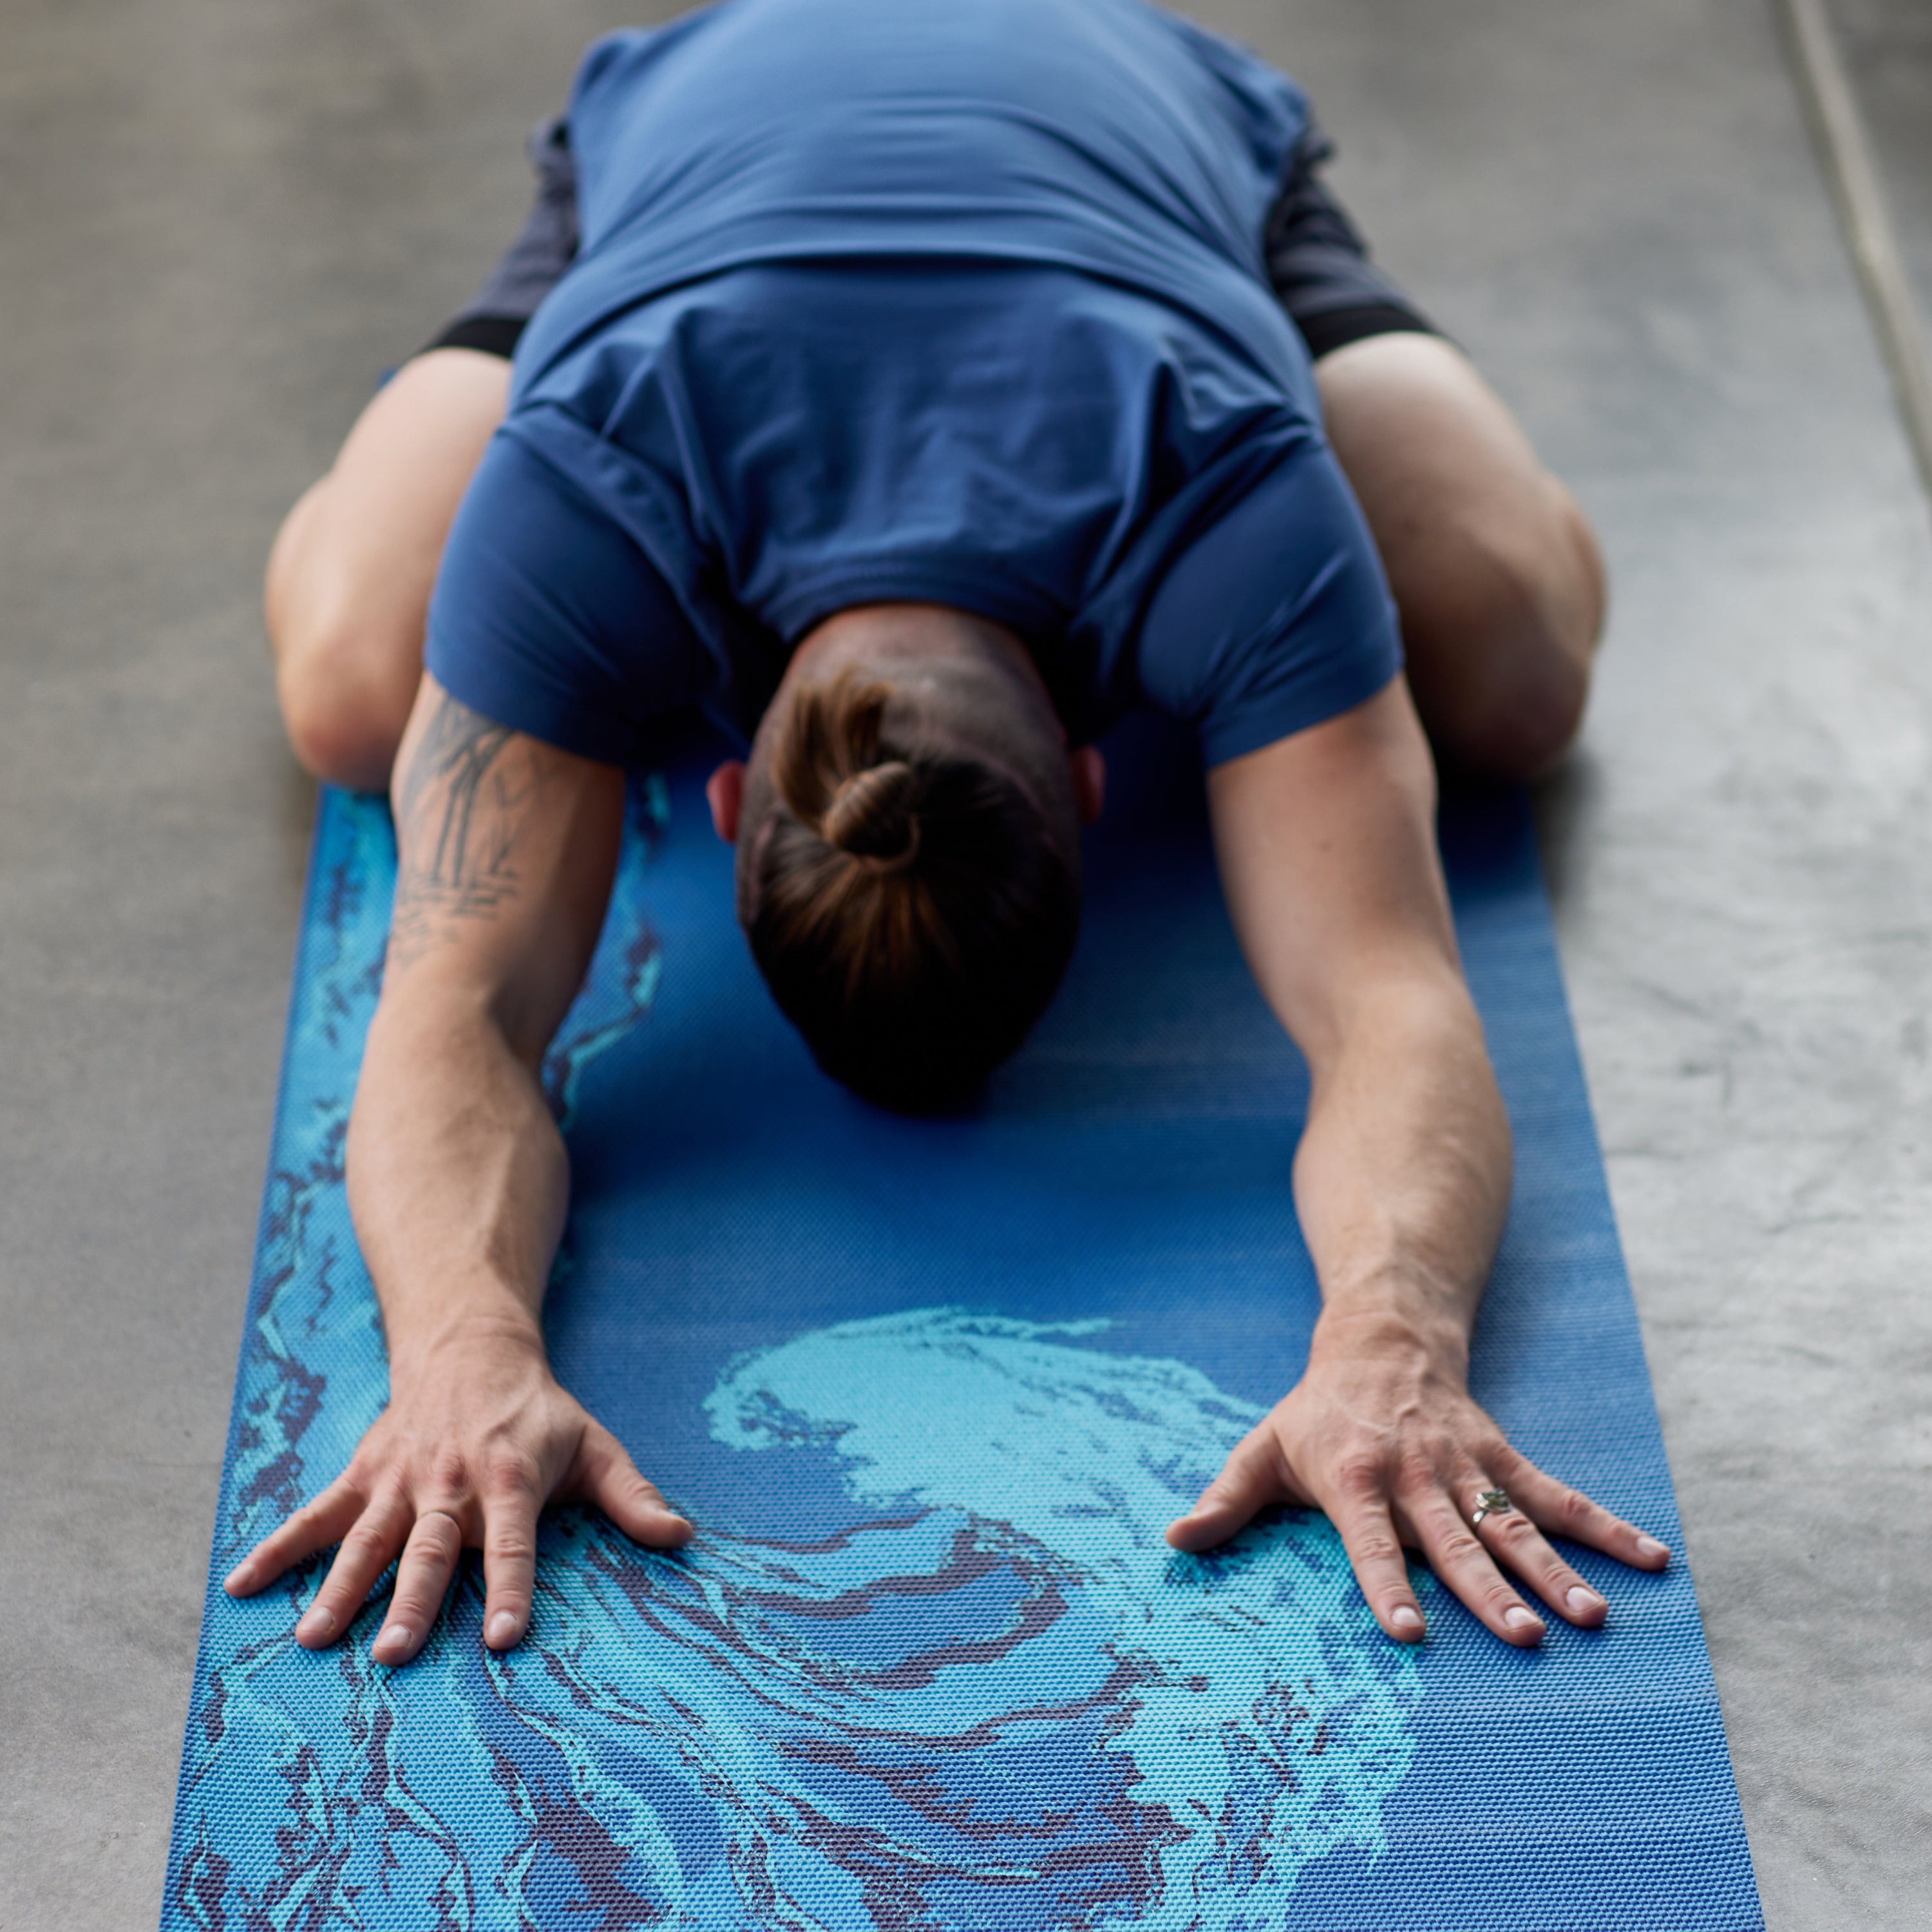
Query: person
x=917 y=390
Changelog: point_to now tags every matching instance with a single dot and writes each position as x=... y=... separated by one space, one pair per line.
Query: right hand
x=478 y=1437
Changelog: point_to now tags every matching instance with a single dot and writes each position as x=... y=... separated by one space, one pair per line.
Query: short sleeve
x=548 y=618
x=1275 y=617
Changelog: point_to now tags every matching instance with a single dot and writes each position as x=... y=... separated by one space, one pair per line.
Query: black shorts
x=1316 y=258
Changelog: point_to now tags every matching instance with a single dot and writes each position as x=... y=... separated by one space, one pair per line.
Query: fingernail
x=500 y=1632
x=395 y=1636
x=1406 y=1621
x=318 y=1623
x=241 y=1577
x=1648 y=1546
x=1517 y=1618
x=1582 y=1601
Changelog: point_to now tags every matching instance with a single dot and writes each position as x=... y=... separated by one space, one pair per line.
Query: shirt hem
x=553 y=720
x=1301 y=705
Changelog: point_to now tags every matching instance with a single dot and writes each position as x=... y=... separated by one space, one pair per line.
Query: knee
x=1519 y=730
x=348 y=657
x=1519 y=621
x=343 y=711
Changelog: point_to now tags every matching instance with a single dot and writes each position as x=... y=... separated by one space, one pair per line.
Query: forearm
x=457 y=1177
x=1402 y=1178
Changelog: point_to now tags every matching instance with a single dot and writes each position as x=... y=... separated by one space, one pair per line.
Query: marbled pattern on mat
x=993 y=1685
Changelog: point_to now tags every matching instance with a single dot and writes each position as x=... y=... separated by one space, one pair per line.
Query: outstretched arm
x=1328 y=853
x=458 y=1182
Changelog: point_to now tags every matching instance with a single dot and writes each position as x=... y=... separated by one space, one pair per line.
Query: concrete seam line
x=1845 y=150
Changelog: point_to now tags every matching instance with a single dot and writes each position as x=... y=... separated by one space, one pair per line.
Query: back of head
x=911 y=911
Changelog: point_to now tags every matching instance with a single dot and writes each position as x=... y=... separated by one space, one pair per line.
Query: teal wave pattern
x=995 y=1692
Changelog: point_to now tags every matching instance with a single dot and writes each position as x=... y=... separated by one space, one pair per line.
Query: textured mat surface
x=930 y=1392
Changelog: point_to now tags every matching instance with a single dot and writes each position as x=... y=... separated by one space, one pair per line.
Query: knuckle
x=414 y=1603
x=1415 y=1470
x=508 y=1472
x=367 y=1541
x=1513 y=1530
x=1378 y=1546
x=1575 y=1509
x=1461 y=1546
x=438 y=1535
x=1359 y=1478
x=448 y=1472
x=510 y=1546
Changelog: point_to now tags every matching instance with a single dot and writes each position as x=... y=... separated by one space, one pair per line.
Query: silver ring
x=1491 y=1502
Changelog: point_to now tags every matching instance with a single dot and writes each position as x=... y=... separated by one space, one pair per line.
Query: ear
x=1088 y=770
x=724 y=793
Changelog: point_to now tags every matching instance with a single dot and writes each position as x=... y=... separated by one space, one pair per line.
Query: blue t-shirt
x=963 y=305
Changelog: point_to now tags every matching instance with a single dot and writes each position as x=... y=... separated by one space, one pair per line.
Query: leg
x=350 y=575
x=1496 y=574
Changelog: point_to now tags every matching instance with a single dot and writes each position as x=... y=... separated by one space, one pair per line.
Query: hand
x=477 y=1438
x=1381 y=1434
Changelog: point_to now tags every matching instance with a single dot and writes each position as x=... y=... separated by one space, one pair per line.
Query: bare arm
x=1326 y=849
x=458 y=1182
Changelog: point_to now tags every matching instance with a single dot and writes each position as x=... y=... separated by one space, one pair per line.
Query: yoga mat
x=930 y=1391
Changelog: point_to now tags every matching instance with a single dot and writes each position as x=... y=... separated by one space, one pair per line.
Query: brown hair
x=910 y=913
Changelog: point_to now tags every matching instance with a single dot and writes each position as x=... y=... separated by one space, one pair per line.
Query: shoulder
x=1275 y=614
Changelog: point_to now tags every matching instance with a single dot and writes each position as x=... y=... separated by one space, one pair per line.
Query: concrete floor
x=218 y=221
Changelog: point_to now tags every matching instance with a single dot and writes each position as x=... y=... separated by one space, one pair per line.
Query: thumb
x=607 y=1477
x=1250 y=1480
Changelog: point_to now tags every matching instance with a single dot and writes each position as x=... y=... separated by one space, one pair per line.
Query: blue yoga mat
x=930 y=1391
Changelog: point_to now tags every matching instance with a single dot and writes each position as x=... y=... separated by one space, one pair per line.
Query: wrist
x=427 y=1345
x=1428 y=1331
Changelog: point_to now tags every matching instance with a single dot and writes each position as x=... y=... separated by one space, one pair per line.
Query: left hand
x=1381 y=1433
x=476 y=1438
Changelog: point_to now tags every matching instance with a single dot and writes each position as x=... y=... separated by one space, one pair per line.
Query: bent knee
x=344 y=715
x=1501 y=654
x=1520 y=726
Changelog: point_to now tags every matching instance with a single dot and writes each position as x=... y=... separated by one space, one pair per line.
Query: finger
x=1456 y=1555
x=605 y=1475
x=313 y=1527
x=1251 y=1479
x=1559 y=1510
x=369 y=1547
x=1513 y=1539
x=1368 y=1533
x=422 y=1580
x=509 y=1565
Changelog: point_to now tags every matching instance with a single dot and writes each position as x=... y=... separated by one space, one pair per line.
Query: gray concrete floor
x=219 y=220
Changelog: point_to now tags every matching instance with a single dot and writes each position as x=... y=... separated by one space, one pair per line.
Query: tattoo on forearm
x=465 y=801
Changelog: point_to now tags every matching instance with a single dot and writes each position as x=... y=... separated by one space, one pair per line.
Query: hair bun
x=871 y=815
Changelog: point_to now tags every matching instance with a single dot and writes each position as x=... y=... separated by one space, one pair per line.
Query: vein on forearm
x=457 y=1177
x=1403 y=1174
